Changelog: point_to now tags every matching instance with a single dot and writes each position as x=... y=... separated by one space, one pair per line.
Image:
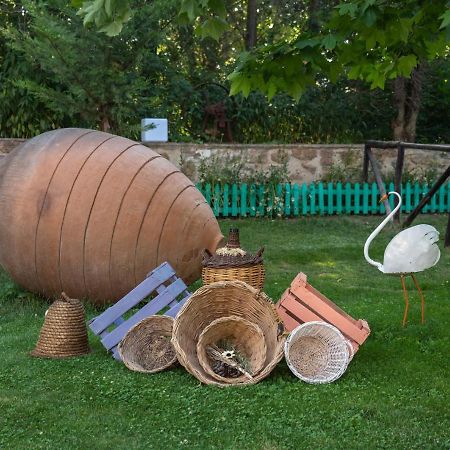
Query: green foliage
x=221 y=169
x=85 y=76
x=370 y=40
x=108 y=16
x=95 y=402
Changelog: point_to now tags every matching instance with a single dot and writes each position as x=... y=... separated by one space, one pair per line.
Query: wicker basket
x=64 y=332
x=252 y=275
x=243 y=337
x=317 y=352
x=147 y=346
x=223 y=299
x=232 y=263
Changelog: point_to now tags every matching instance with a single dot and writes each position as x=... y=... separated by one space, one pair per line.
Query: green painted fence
x=293 y=200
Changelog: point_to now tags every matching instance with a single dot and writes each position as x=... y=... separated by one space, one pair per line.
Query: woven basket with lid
x=64 y=332
x=233 y=263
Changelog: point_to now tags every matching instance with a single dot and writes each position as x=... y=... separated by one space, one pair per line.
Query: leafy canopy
x=369 y=40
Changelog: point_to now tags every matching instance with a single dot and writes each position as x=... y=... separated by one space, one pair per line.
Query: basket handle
x=206 y=255
x=259 y=252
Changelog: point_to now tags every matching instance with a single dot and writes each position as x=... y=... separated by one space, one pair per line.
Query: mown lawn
x=395 y=393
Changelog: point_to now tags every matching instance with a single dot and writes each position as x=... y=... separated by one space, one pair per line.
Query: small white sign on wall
x=154 y=130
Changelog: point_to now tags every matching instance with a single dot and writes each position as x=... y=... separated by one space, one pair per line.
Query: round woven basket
x=317 y=352
x=252 y=275
x=147 y=346
x=64 y=332
x=242 y=337
x=223 y=299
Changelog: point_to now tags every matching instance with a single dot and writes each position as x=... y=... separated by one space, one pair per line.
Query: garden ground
x=395 y=393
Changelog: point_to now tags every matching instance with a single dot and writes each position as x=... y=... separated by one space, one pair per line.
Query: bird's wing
x=412 y=250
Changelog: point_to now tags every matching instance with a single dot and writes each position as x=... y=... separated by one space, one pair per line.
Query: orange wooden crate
x=302 y=303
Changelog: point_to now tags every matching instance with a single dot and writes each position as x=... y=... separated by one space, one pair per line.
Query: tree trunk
x=250 y=37
x=407 y=98
x=104 y=124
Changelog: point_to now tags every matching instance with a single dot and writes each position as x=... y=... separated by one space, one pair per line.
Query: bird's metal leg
x=422 y=298
x=405 y=315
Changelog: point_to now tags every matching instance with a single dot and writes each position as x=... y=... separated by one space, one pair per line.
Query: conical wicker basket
x=147 y=346
x=317 y=352
x=244 y=338
x=232 y=263
x=223 y=299
x=64 y=332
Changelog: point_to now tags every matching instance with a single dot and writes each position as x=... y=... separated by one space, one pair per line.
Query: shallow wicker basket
x=222 y=299
x=245 y=338
x=147 y=346
x=64 y=332
x=317 y=352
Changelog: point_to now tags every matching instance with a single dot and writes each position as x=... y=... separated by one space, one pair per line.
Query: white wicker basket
x=317 y=352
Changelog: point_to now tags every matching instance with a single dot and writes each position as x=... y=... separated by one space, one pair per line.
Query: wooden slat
x=217 y=200
x=261 y=201
x=252 y=200
x=299 y=310
x=289 y=322
x=331 y=313
x=407 y=191
x=234 y=200
x=226 y=200
x=365 y=199
x=330 y=198
x=154 y=279
x=243 y=209
x=149 y=309
x=374 y=198
x=279 y=202
x=312 y=199
x=348 y=199
x=321 y=200
x=339 y=198
x=304 y=199
x=296 y=200
x=287 y=200
x=356 y=198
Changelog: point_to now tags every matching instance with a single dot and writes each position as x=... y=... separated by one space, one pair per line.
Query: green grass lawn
x=395 y=393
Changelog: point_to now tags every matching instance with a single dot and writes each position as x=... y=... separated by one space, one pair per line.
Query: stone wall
x=6 y=145
x=306 y=163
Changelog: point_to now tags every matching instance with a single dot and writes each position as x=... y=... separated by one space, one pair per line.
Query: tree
x=96 y=81
x=370 y=40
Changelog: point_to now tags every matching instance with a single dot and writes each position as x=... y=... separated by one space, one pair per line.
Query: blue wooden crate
x=161 y=282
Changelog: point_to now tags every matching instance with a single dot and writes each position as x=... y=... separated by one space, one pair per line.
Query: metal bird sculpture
x=410 y=251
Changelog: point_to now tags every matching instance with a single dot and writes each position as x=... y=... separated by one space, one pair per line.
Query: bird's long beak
x=383 y=198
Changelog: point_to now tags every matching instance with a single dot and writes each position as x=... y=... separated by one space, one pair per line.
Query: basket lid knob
x=233 y=238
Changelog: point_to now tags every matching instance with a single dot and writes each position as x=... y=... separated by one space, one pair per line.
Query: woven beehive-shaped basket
x=64 y=332
x=317 y=352
x=233 y=263
x=237 y=340
x=223 y=299
x=147 y=346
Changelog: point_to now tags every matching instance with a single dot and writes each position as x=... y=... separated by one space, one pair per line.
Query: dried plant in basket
x=233 y=263
x=219 y=301
x=231 y=349
x=147 y=346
